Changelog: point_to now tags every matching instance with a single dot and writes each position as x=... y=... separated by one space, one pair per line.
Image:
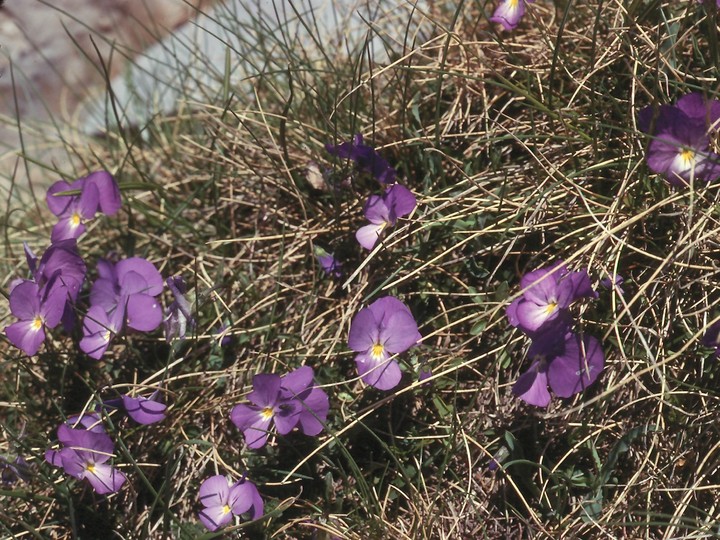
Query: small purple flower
x=424 y=374
x=98 y=330
x=131 y=286
x=547 y=293
x=288 y=401
x=383 y=211
x=98 y=193
x=568 y=365
x=12 y=471
x=84 y=455
x=60 y=267
x=712 y=337
x=509 y=12
x=365 y=157
x=383 y=329
x=680 y=149
x=223 y=500
x=223 y=332
x=36 y=312
x=178 y=316
x=145 y=410
x=613 y=282
x=330 y=265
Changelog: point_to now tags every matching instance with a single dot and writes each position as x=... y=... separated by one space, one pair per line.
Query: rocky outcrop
x=52 y=53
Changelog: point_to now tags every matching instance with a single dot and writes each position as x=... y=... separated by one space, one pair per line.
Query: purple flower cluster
x=84 y=454
x=287 y=401
x=379 y=332
x=509 y=12
x=680 y=149
x=566 y=361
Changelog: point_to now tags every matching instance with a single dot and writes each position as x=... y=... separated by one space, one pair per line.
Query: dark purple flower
x=35 y=311
x=145 y=410
x=614 y=283
x=568 y=365
x=226 y=338
x=98 y=193
x=84 y=455
x=330 y=265
x=712 y=337
x=12 y=471
x=61 y=267
x=365 y=157
x=680 y=149
x=509 y=12
x=223 y=500
x=378 y=332
x=424 y=374
x=717 y=2
x=131 y=286
x=179 y=313
x=288 y=401
x=98 y=330
x=383 y=211
x=547 y=293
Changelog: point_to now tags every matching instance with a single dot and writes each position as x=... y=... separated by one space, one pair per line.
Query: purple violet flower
x=145 y=410
x=179 y=313
x=712 y=337
x=12 y=471
x=330 y=265
x=547 y=293
x=383 y=211
x=680 y=149
x=377 y=333
x=84 y=455
x=61 y=266
x=98 y=330
x=35 y=312
x=568 y=365
x=509 y=12
x=131 y=286
x=288 y=401
x=223 y=500
x=365 y=157
x=98 y=193
x=613 y=282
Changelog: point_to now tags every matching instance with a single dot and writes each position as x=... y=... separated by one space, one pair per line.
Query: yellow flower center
x=377 y=350
x=550 y=307
x=514 y=3
x=267 y=413
x=37 y=323
x=91 y=468
x=226 y=509
x=75 y=219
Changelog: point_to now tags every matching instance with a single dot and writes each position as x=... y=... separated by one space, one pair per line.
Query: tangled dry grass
x=522 y=149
